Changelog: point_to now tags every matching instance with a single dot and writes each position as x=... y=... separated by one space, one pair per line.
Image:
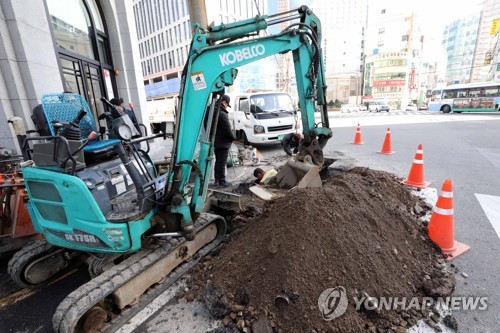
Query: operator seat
x=65 y=107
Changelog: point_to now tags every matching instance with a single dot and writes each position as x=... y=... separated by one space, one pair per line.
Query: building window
x=71 y=24
x=83 y=49
x=404 y=38
x=382 y=11
x=380 y=43
x=381 y=31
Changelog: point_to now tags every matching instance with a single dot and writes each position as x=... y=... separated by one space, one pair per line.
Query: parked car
x=411 y=107
x=378 y=106
x=349 y=108
x=362 y=107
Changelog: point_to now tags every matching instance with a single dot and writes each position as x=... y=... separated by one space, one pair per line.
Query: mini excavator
x=104 y=198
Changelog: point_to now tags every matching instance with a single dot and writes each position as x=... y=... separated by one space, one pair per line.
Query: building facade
x=393 y=56
x=459 y=41
x=285 y=61
x=344 y=27
x=486 y=64
x=81 y=46
x=164 y=36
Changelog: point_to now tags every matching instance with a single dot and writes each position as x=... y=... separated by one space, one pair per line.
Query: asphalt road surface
x=463 y=147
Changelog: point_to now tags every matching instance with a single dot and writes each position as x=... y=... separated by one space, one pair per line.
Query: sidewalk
x=271 y=156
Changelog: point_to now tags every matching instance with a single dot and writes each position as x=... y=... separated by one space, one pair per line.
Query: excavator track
x=90 y=297
x=37 y=264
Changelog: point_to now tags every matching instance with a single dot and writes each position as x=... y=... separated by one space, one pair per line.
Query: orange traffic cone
x=416 y=176
x=357 y=138
x=441 y=226
x=387 y=147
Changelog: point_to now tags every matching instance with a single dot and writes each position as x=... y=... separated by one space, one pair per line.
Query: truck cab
x=162 y=110
x=263 y=117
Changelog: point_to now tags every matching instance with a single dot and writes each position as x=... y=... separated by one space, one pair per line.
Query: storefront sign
x=386 y=83
x=412 y=78
x=109 y=85
x=387 y=95
x=385 y=56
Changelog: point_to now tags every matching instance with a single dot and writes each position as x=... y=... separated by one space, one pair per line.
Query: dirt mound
x=360 y=232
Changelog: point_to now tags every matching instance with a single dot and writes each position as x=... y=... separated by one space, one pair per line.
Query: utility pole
x=198 y=12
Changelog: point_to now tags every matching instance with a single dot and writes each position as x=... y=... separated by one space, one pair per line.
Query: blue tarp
x=171 y=86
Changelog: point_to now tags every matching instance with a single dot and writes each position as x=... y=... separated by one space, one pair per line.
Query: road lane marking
x=491 y=207
x=429 y=194
x=167 y=313
x=22 y=294
x=404 y=119
x=16 y=297
x=148 y=311
x=491 y=154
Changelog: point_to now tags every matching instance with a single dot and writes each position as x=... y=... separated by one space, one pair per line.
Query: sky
x=435 y=13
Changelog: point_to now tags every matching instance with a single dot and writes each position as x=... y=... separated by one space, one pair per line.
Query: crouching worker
x=264 y=177
x=291 y=143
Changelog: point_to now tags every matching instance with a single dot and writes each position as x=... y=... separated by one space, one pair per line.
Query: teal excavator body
x=110 y=205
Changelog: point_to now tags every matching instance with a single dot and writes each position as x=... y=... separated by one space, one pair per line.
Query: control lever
x=91 y=137
x=80 y=116
x=57 y=127
x=104 y=115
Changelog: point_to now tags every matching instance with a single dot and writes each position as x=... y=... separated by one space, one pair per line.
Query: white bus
x=472 y=97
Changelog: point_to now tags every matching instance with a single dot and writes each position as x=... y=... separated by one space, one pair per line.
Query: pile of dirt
x=361 y=233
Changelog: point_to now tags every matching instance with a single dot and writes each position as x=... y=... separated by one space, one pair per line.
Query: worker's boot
x=223 y=183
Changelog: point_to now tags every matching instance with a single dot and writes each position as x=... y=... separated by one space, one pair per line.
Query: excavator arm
x=211 y=66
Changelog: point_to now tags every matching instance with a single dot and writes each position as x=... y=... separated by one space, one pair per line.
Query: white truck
x=162 y=110
x=263 y=117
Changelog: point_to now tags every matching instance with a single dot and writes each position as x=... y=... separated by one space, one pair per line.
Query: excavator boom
x=211 y=66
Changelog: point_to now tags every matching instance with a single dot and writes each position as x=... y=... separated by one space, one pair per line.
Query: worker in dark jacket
x=291 y=143
x=223 y=138
x=119 y=103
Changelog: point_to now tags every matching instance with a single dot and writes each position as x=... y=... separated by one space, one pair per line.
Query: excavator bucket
x=224 y=200
x=300 y=174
